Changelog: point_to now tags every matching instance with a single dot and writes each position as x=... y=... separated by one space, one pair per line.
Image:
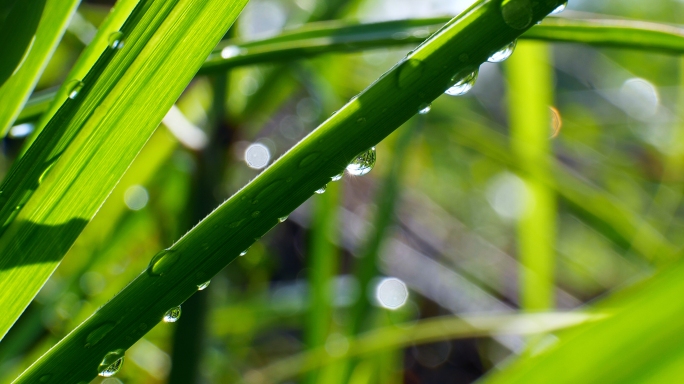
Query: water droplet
x=517 y=13
x=256 y=214
x=45 y=172
x=45 y=378
x=409 y=73
x=244 y=252
x=503 y=54
x=235 y=224
x=363 y=163
x=98 y=334
x=321 y=190
x=112 y=363
x=361 y=120
x=172 y=315
x=204 y=285
x=230 y=52
x=282 y=219
x=161 y=262
x=425 y=108
x=116 y=40
x=461 y=85
x=338 y=177
x=309 y=159
x=560 y=9
x=73 y=88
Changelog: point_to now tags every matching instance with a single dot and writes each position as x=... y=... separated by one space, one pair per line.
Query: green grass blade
x=53 y=22
x=334 y=36
x=174 y=274
x=86 y=60
x=530 y=81
x=636 y=344
x=56 y=188
x=425 y=331
x=19 y=19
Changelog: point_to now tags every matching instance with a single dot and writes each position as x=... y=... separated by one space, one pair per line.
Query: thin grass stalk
x=529 y=99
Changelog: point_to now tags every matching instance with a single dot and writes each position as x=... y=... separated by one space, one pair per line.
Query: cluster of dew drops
x=359 y=166
x=463 y=84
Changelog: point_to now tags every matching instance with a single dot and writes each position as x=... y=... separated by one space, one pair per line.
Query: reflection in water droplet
x=504 y=53
x=409 y=73
x=560 y=9
x=321 y=190
x=517 y=13
x=172 y=315
x=425 y=108
x=161 y=262
x=282 y=219
x=116 y=40
x=338 y=177
x=204 y=285
x=363 y=163
x=112 y=363
x=461 y=85
x=73 y=88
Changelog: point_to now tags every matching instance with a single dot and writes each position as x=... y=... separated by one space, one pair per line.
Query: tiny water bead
x=111 y=363
x=363 y=163
x=338 y=177
x=204 y=285
x=116 y=40
x=425 y=109
x=244 y=252
x=321 y=190
x=173 y=314
x=462 y=85
x=560 y=8
x=45 y=378
x=282 y=219
x=517 y=14
x=503 y=54
x=73 y=88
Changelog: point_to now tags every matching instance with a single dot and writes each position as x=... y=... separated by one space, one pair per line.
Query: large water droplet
x=172 y=315
x=517 y=13
x=363 y=163
x=204 y=285
x=116 y=40
x=560 y=9
x=98 y=334
x=425 y=108
x=410 y=72
x=73 y=88
x=321 y=190
x=112 y=363
x=461 y=85
x=161 y=262
x=504 y=53
x=338 y=177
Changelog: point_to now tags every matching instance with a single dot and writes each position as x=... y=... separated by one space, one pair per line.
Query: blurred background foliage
x=457 y=218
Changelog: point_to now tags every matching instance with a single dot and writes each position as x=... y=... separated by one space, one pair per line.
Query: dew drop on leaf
x=161 y=262
x=172 y=315
x=204 y=285
x=111 y=363
x=503 y=53
x=321 y=190
x=559 y=9
x=517 y=13
x=73 y=88
x=424 y=109
x=462 y=85
x=116 y=40
x=363 y=163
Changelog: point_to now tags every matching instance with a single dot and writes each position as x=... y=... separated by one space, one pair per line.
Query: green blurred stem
x=323 y=266
x=190 y=332
x=529 y=98
x=334 y=36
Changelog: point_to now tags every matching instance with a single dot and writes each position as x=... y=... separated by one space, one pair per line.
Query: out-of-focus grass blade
x=26 y=47
x=639 y=343
x=334 y=36
x=56 y=188
x=175 y=274
x=86 y=60
x=422 y=332
x=18 y=19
